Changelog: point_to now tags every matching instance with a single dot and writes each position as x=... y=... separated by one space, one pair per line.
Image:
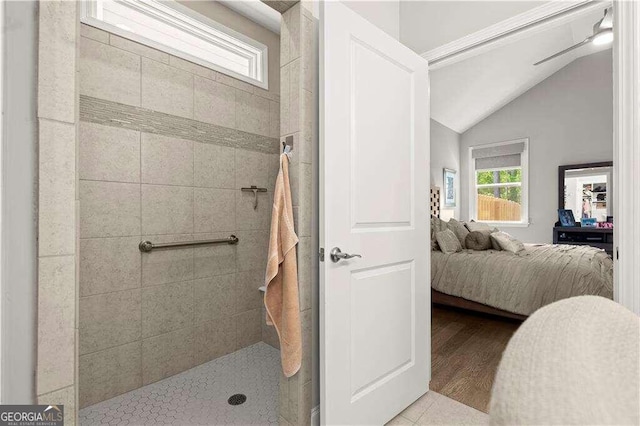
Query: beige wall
x=144 y=317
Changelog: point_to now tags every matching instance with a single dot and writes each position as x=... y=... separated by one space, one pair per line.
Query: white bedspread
x=524 y=282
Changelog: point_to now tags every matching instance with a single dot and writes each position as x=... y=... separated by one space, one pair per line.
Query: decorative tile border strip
x=145 y=120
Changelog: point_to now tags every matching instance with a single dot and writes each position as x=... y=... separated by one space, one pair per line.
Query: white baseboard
x=315 y=416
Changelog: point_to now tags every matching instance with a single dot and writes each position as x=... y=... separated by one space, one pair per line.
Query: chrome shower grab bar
x=147 y=246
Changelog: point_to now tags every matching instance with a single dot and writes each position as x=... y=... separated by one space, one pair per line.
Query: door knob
x=337 y=254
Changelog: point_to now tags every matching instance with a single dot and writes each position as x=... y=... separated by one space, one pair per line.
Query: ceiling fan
x=602 y=34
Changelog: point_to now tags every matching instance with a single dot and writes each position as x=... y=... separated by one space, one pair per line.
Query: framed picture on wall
x=449 y=183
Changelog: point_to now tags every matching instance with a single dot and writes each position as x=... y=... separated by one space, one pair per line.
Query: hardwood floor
x=466 y=349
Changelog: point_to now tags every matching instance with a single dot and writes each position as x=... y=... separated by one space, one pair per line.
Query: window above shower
x=175 y=29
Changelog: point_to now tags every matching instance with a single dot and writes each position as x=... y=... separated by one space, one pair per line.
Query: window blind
x=499 y=156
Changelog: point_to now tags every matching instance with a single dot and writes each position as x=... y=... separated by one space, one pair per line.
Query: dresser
x=576 y=235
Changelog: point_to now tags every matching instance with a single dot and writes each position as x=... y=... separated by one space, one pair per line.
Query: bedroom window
x=182 y=32
x=499 y=183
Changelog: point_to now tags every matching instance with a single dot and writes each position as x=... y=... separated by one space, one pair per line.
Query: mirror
x=586 y=189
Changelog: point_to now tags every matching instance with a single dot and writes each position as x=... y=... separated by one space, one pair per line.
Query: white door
x=375 y=310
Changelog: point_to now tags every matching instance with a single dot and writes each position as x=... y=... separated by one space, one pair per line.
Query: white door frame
x=626 y=99
x=626 y=153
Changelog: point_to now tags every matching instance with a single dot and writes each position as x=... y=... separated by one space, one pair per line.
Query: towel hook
x=287 y=145
x=255 y=191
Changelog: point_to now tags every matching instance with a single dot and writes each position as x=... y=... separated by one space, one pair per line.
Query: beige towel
x=281 y=280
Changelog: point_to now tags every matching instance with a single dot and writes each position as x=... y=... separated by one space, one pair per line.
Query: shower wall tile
x=167 y=266
x=109 y=320
x=215 y=297
x=308 y=129
x=56 y=317
x=54 y=375
x=66 y=397
x=209 y=261
x=166 y=160
x=285 y=38
x=167 y=167
x=289 y=102
x=305 y=198
x=248 y=328
x=274 y=119
x=214 y=166
x=233 y=82
x=57 y=61
x=215 y=339
x=248 y=217
x=109 y=373
x=167 y=354
x=214 y=102
x=267 y=94
x=294 y=183
x=138 y=49
x=167 y=89
x=109 y=264
x=166 y=308
x=214 y=210
x=285 y=409
x=298 y=113
x=167 y=209
x=285 y=96
x=57 y=182
x=109 y=209
x=252 y=113
x=290 y=35
x=251 y=169
x=247 y=296
x=294 y=96
x=306 y=325
x=273 y=168
x=252 y=252
x=306 y=402
x=194 y=69
x=269 y=333
x=107 y=72
x=309 y=54
x=304 y=273
x=109 y=153
x=94 y=33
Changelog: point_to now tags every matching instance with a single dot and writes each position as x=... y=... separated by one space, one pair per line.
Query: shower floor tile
x=199 y=396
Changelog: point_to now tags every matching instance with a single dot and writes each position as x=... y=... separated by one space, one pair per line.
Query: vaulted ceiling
x=466 y=92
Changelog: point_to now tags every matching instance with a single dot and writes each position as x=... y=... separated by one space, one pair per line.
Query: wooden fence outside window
x=498 y=209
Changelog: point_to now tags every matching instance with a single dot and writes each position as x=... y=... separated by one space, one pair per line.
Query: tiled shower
x=165 y=146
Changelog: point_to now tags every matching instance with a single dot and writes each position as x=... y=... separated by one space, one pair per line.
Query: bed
x=515 y=285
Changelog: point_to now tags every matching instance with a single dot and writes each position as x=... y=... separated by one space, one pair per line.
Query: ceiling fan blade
x=562 y=52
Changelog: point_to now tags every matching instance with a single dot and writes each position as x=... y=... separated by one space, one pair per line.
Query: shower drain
x=237 y=399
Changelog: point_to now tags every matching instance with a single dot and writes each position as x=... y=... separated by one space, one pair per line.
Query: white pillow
x=507 y=242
